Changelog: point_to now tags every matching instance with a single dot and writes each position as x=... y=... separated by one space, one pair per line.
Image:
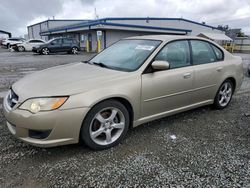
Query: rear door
x=207 y=64
x=168 y=90
x=66 y=44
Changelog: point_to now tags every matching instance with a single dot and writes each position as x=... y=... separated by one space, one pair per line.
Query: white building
x=110 y=30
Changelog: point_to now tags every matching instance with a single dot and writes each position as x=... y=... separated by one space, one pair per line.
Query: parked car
x=69 y=45
x=12 y=41
x=28 y=45
x=134 y=81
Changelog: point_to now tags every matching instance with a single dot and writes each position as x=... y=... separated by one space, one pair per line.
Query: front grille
x=12 y=98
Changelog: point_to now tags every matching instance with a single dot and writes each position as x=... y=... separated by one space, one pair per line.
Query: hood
x=65 y=80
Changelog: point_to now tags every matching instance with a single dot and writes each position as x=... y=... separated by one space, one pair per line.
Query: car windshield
x=126 y=55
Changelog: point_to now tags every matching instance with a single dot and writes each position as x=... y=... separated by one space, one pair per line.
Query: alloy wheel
x=74 y=50
x=45 y=51
x=20 y=48
x=107 y=126
x=225 y=94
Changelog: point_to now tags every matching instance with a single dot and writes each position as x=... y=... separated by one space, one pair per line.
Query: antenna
x=96 y=15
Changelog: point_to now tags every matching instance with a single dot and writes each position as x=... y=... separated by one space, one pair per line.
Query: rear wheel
x=45 y=51
x=224 y=95
x=105 y=125
x=21 y=49
x=74 y=50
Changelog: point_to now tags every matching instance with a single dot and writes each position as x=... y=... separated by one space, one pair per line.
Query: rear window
x=218 y=53
x=67 y=41
x=202 y=52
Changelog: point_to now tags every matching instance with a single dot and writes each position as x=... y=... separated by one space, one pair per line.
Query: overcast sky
x=15 y=15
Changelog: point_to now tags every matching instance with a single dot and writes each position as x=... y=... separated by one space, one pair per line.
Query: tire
x=224 y=95
x=21 y=49
x=45 y=51
x=105 y=125
x=8 y=45
x=74 y=50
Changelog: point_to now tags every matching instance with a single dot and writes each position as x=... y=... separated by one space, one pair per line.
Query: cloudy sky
x=15 y=15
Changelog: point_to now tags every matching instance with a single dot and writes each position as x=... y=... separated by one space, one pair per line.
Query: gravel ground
x=199 y=148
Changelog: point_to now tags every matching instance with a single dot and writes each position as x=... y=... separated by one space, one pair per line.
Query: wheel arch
x=123 y=101
x=233 y=80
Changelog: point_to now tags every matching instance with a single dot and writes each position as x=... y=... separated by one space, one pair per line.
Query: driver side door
x=55 y=45
x=168 y=91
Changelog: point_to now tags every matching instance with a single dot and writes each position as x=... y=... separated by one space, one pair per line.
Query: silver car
x=134 y=81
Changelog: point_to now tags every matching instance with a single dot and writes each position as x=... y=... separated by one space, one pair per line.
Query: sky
x=16 y=15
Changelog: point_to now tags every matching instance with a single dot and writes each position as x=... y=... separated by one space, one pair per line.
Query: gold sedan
x=134 y=81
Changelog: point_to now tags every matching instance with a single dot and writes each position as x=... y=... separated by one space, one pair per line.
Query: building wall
x=113 y=36
x=242 y=44
x=115 y=33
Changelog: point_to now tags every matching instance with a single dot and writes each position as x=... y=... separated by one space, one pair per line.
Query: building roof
x=104 y=23
x=58 y=20
x=165 y=37
x=215 y=36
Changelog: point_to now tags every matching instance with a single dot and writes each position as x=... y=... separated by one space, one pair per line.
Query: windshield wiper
x=100 y=64
x=88 y=62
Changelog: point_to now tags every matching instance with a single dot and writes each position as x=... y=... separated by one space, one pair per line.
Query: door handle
x=187 y=75
x=219 y=69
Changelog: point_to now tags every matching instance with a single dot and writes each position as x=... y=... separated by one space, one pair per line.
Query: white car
x=12 y=41
x=28 y=45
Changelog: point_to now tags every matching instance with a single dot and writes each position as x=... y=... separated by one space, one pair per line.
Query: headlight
x=43 y=104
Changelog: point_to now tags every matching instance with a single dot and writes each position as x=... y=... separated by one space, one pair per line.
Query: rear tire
x=224 y=95
x=105 y=125
x=45 y=51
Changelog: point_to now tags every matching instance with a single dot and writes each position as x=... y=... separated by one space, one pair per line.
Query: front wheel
x=21 y=49
x=74 y=50
x=45 y=51
x=224 y=95
x=105 y=125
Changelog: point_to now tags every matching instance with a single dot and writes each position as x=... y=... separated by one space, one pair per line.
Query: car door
x=207 y=64
x=168 y=90
x=66 y=44
x=28 y=45
x=55 y=45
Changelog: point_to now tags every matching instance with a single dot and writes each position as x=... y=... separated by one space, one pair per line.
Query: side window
x=176 y=53
x=57 y=41
x=218 y=53
x=36 y=41
x=202 y=52
x=67 y=41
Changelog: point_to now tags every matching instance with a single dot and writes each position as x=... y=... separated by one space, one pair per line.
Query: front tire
x=45 y=51
x=224 y=95
x=21 y=49
x=74 y=50
x=105 y=125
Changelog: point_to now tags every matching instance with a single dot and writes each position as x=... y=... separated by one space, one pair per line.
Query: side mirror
x=160 y=65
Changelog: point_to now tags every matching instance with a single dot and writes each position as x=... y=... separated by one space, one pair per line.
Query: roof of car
x=165 y=37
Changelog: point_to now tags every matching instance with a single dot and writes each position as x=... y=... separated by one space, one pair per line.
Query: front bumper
x=36 y=50
x=62 y=126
